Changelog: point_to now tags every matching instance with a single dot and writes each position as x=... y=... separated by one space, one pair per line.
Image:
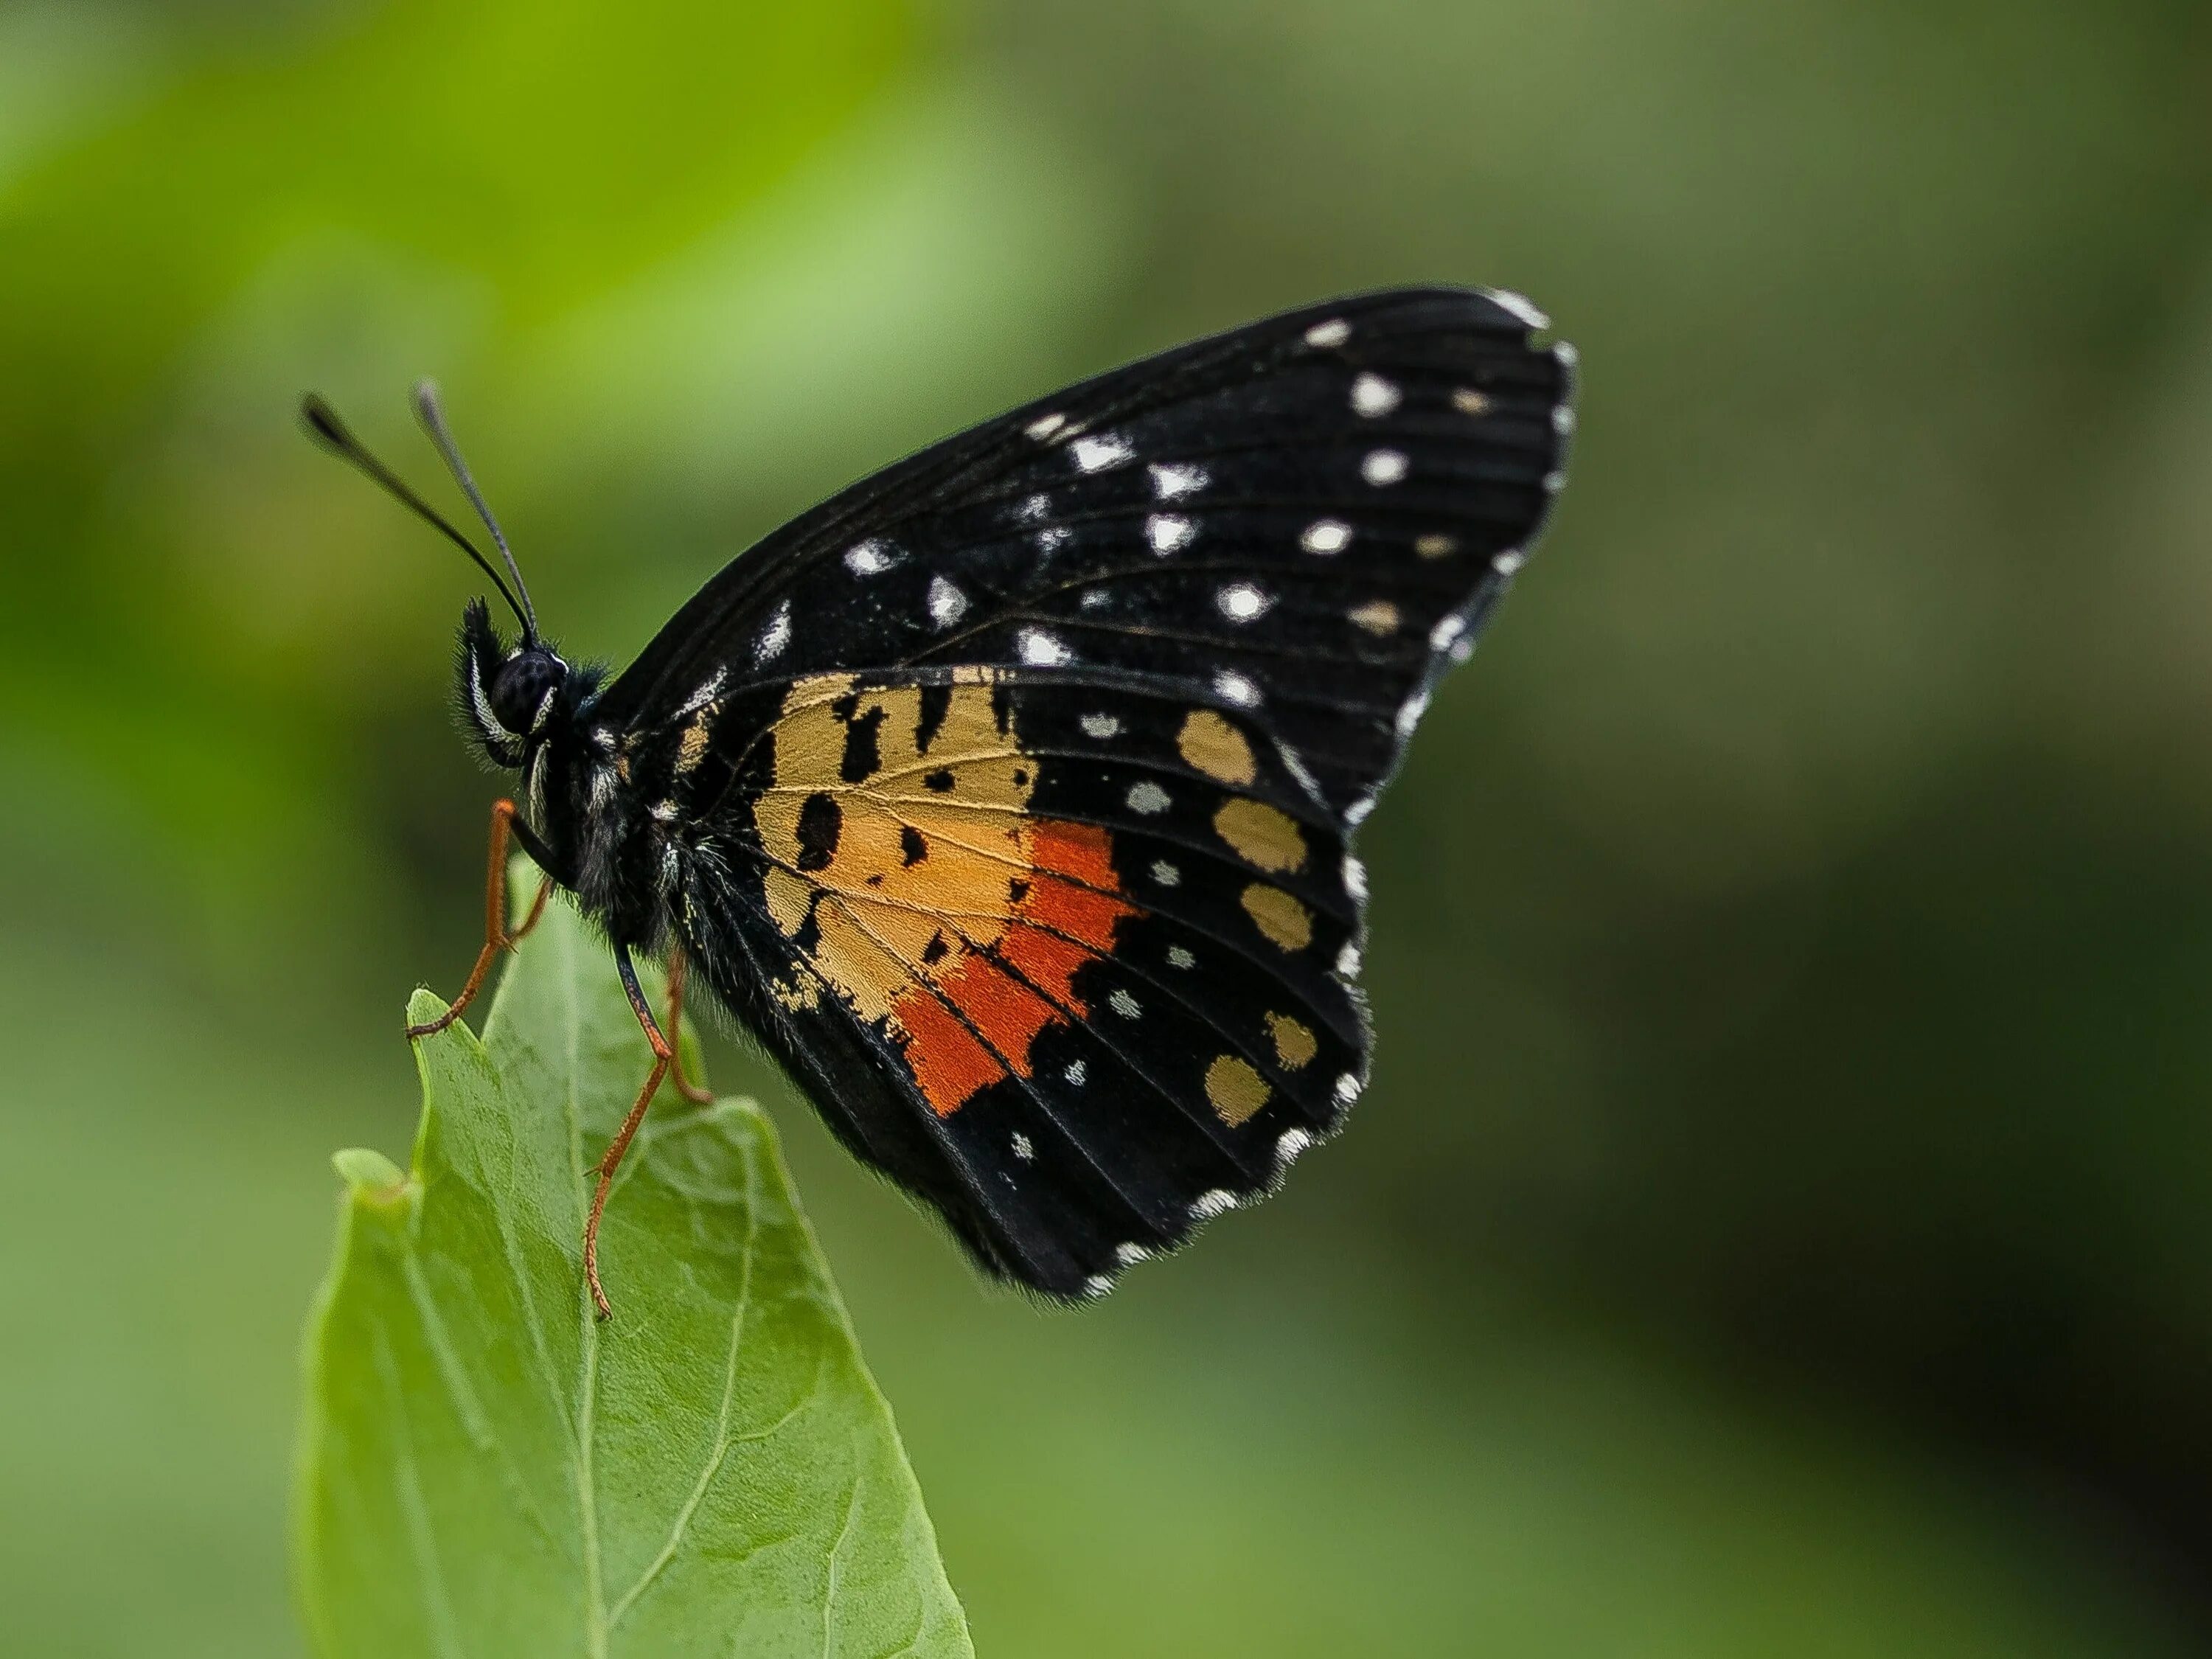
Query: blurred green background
x=1779 y=1224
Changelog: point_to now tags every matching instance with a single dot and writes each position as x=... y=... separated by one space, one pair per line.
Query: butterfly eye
x=519 y=690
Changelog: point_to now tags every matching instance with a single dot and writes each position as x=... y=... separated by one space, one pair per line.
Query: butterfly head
x=511 y=697
x=514 y=697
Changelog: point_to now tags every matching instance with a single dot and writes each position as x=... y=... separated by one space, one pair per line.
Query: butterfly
x=1008 y=795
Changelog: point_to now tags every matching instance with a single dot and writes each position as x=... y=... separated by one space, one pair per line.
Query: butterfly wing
x=1012 y=788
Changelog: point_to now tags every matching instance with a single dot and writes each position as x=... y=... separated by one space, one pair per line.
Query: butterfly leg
x=496 y=936
x=678 y=972
x=663 y=1057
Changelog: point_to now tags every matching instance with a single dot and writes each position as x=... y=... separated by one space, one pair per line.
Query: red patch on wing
x=1067 y=917
x=949 y=1065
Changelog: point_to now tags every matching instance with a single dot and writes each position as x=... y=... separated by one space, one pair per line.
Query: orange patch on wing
x=944 y=914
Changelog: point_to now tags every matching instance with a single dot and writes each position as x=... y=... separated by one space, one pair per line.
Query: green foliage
x=487 y=1470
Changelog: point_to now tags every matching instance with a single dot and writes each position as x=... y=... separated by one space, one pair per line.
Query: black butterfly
x=1008 y=795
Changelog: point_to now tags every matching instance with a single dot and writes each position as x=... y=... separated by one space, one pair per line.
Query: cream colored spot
x=1435 y=547
x=1234 y=1089
x=1377 y=617
x=1294 y=1042
x=1286 y=921
x=1468 y=401
x=1210 y=745
x=800 y=992
x=1264 y=837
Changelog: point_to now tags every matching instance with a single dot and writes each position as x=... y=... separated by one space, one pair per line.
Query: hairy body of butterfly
x=1008 y=795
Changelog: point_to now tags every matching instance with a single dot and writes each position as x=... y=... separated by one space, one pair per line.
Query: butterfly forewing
x=1008 y=794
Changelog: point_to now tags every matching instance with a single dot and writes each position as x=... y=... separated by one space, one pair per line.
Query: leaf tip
x=424 y=1006
x=369 y=1174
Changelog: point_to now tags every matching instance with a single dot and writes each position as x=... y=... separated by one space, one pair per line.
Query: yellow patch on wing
x=1377 y=617
x=1210 y=745
x=1264 y=837
x=1287 y=923
x=1234 y=1089
x=1294 y=1042
x=691 y=748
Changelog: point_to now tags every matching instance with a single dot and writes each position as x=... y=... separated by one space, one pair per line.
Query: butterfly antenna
x=333 y=434
x=433 y=421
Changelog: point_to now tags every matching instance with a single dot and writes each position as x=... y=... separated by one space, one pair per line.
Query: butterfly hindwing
x=1099 y=958
x=1009 y=794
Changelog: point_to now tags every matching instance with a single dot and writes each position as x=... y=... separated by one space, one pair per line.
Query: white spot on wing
x=1566 y=355
x=947 y=602
x=1023 y=1151
x=1102 y=450
x=1373 y=396
x=1097 y=1285
x=1347 y=1089
x=1326 y=536
x=870 y=558
x=1509 y=562
x=1167 y=531
x=1241 y=602
x=1410 y=713
x=1519 y=305
x=1179 y=957
x=1130 y=1254
x=1042 y=650
x=1165 y=873
x=1101 y=726
x=1333 y=332
x=775 y=635
x=1383 y=467
x=1044 y=426
x=1125 y=1004
x=1212 y=1204
x=1238 y=690
x=1554 y=482
x=1357 y=813
x=1347 y=962
x=1053 y=537
x=706 y=693
x=1355 y=878
x=1146 y=798
x=1033 y=509
x=1446 y=631
x=1175 y=480
x=1293 y=1142
x=1076 y=1072
x=1563 y=419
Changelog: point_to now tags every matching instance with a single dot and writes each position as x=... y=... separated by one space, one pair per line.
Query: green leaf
x=488 y=1470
